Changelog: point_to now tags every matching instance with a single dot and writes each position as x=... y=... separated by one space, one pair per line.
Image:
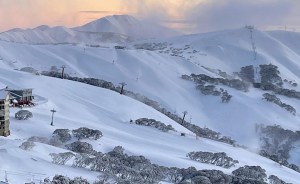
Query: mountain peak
x=110 y=29
x=42 y=27
x=127 y=25
x=122 y=19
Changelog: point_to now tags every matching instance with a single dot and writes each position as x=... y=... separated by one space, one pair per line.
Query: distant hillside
x=116 y=29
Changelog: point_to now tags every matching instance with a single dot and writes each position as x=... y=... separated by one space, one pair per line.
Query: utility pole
x=123 y=84
x=251 y=29
x=184 y=114
x=63 y=71
x=53 y=111
x=32 y=179
x=254 y=50
x=6 y=179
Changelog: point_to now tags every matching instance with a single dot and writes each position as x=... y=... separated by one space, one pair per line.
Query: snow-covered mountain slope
x=290 y=39
x=156 y=74
x=116 y=29
x=127 y=25
x=80 y=105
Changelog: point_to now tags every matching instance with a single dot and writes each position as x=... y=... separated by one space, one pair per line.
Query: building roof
x=3 y=94
x=17 y=89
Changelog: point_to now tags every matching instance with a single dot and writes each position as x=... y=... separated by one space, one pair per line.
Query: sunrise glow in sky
x=186 y=15
x=31 y=13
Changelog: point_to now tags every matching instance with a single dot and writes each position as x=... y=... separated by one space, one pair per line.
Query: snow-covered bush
x=61 y=158
x=226 y=97
x=275 y=157
x=55 y=74
x=55 y=141
x=155 y=124
x=247 y=73
x=29 y=70
x=132 y=169
x=91 y=81
x=272 y=98
x=59 y=179
x=276 y=144
x=23 y=115
x=43 y=140
x=27 y=145
x=82 y=160
x=54 y=69
x=151 y=46
x=250 y=172
x=79 y=180
x=278 y=141
x=192 y=175
x=141 y=98
x=218 y=159
x=208 y=90
x=237 y=84
x=294 y=167
x=63 y=135
x=95 y=82
x=105 y=178
x=80 y=147
x=118 y=167
x=275 y=180
x=270 y=76
x=200 y=179
x=86 y=133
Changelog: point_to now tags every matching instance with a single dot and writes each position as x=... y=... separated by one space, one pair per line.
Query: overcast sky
x=186 y=15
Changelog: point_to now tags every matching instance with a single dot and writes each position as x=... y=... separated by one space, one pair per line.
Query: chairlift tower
x=63 y=71
x=53 y=111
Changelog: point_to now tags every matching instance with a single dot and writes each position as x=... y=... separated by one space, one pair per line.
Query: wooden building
x=4 y=113
x=20 y=96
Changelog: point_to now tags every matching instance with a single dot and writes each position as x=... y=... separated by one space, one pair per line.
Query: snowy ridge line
x=112 y=29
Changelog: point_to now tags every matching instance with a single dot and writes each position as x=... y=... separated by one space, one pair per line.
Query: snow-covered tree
x=61 y=158
x=86 y=133
x=27 y=145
